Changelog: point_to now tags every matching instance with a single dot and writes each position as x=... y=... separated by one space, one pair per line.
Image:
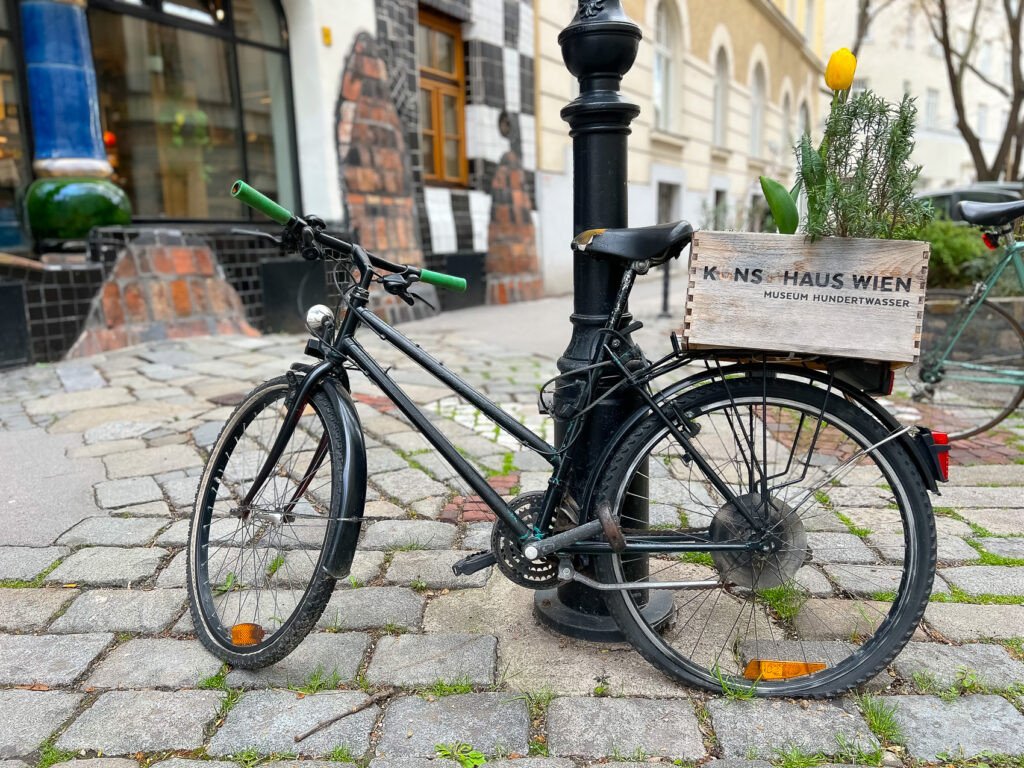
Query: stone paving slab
x=322 y=653
x=396 y=534
x=986 y=579
x=478 y=536
x=51 y=660
x=1013 y=548
x=945 y=664
x=181 y=762
x=433 y=570
x=154 y=663
x=118 y=430
x=152 y=461
x=963 y=622
x=965 y=496
x=762 y=727
x=409 y=485
x=970 y=726
x=950 y=549
x=122 y=610
x=997 y=521
x=31 y=716
x=113 y=532
x=25 y=563
x=122 y=493
x=872 y=580
x=28 y=610
x=97 y=450
x=99 y=762
x=839 y=548
x=126 y=722
x=107 y=566
x=78 y=401
x=489 y=721
x=606 y=727
x=269 y=721
x=420 y=660
x=372 y=607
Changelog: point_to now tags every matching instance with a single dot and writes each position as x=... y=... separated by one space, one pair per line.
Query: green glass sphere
x=66 y=209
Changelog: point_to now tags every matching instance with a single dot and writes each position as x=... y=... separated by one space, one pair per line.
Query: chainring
x=753 y=569
x=507 y=548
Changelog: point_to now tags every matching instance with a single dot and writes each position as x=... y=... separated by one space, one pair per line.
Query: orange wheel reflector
x=246 y=634
x=767 y=669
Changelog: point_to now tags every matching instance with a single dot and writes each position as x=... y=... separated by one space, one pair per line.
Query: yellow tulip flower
x=840 y=69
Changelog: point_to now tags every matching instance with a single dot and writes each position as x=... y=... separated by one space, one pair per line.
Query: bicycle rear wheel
x=847 y=570
x=977 y=383
x=256 y=581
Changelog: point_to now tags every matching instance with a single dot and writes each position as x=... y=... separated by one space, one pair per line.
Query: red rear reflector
x=246 y=634
x=887 y=389
x=991 y=240
x=768 y=669
x=941 y=438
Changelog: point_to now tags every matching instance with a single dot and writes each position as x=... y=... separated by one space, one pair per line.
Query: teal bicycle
x=970 y=375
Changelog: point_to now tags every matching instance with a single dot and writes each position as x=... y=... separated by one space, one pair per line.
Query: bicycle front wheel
x=256 y=580
x=846 y=540
x=966 y=384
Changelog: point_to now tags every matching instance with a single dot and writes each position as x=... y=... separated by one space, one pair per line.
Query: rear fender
x=352 y=494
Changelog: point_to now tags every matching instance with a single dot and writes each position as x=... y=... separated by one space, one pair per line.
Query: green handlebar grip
x=260 y=202
x=443 y=281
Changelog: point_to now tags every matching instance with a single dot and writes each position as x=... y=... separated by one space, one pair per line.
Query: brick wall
x=512 y=267
x=159 y=292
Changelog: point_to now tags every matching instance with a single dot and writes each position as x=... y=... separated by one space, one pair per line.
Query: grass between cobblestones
x=957 y=595
x=32 y=583
x=50 y=755
x=880 y=716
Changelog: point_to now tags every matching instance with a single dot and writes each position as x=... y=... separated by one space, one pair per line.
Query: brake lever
x=397 y=285
x=259 y=234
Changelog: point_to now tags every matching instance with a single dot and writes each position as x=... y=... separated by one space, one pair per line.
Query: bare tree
x=959 y=55
x=867 y=12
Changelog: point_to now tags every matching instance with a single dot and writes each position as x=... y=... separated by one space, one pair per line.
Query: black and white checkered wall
x=499 y=58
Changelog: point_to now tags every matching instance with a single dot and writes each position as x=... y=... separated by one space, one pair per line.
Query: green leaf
x=781 y=204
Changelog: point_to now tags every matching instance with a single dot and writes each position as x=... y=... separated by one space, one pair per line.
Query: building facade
x=428 y=130
x=724 y=89
x=900 y=56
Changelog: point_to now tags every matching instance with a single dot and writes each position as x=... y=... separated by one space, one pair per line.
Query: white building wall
x=317 y=70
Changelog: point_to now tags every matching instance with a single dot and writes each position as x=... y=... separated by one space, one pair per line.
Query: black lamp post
x=599 y=46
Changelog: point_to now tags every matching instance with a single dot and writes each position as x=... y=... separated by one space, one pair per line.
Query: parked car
x=945 y=200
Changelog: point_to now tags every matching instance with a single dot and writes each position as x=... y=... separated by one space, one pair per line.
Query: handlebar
x=260 y=202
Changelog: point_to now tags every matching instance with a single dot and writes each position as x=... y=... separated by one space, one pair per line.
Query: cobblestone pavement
x=101 y=458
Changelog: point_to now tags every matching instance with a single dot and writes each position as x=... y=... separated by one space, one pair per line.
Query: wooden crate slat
x=847 y=297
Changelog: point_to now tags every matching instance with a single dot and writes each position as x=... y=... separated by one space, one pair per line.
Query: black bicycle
x=772 y=506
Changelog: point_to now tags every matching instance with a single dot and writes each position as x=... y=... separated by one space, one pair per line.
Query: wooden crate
x=846 y=297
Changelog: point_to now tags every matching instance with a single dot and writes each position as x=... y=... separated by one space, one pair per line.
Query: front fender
x=351 y=496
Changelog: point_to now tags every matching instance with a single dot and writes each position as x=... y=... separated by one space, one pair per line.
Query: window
x=442 y=99
x=787 y=124
x=668 y=202
x=805 y=119
x=666 y=42
x=721 y=210
x=906 y=87
x=986 y=58
x=809 y=21
x=931 y=108
x=982 y=121
x=14 y=154
x=194 y=94
x=757 y=99
x=911 y=27
x=719 y=128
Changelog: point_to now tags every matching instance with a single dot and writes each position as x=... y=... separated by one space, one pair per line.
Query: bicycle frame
x=996 y=375
x=346 y=349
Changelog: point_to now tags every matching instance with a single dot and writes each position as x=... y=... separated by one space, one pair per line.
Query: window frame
x=150 y=11
x=664 y=115
x=437 y=84
x=758 y=108
x=722 y=83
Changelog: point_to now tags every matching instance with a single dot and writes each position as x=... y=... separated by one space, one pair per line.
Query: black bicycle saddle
x=990 y=214
x=658 y=243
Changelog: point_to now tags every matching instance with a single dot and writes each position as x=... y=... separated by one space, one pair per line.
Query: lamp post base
x=576 y=611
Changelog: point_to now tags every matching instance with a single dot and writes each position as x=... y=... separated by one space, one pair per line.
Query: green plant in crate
x=859 y=182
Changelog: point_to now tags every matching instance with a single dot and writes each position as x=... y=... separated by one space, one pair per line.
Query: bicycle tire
x=282 y=634
x=963 y=408
x=704 y=405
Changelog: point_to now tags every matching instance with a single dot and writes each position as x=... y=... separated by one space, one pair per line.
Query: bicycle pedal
x=473 y=563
